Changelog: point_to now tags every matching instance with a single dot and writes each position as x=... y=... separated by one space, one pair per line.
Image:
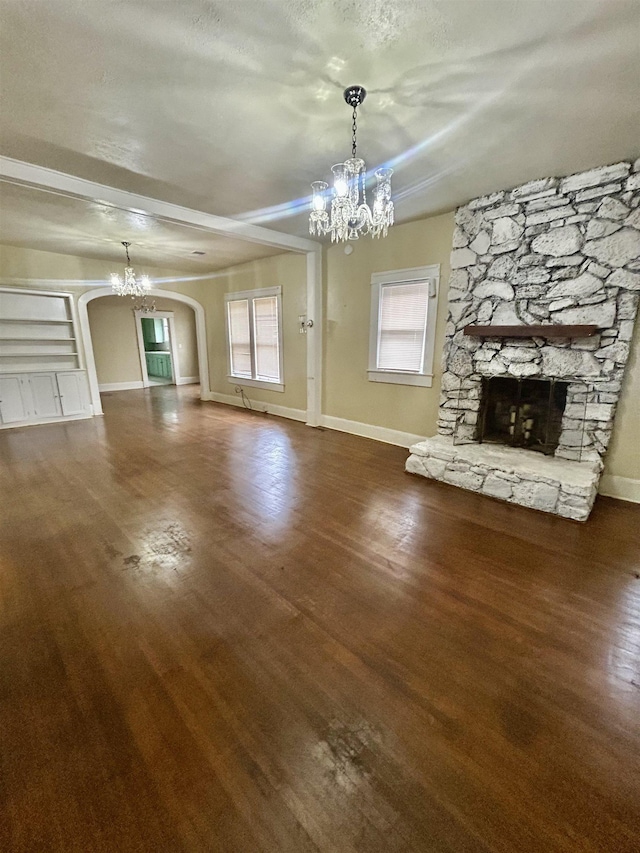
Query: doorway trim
x=87 y=343
x=175 y=367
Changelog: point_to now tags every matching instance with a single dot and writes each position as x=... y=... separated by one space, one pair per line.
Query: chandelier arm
x=365 y=212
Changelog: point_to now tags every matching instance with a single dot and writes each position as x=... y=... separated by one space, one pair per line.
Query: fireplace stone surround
x=555 y=251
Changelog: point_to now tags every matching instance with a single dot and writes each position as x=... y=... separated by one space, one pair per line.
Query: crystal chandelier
x=350 y=216
x=131 y=285
x=146 y=305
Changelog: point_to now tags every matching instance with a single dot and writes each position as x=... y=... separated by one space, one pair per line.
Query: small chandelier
x=145 y=305
x=350 y=215
x=131 y=285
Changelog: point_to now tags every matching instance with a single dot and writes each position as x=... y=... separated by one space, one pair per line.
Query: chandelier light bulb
x=350 y=216
x=319 y=202
x=340 y=179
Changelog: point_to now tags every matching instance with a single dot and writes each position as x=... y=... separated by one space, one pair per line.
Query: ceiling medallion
x=132 y=285
x=350 y=216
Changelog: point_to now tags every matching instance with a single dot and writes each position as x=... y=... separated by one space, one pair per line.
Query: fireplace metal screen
x=522 y=412
x=527 y=413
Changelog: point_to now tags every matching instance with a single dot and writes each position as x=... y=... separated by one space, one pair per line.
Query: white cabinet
x=15 y=402
x=73 y=393
x=28 y=398
x=14 y=399
x=45 y=395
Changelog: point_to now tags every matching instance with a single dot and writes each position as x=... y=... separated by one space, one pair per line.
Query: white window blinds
x=402 y=326
x=239 y=337
x=265 y=320
x=254 y=334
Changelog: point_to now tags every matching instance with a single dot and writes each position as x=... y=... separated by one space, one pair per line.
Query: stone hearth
x=561 y=251
x=519 y=476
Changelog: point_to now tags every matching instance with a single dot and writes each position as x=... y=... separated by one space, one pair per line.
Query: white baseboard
x=188 y=380
x=377 y=433
x=623 y=488
x=121 y=386
x=257 y=406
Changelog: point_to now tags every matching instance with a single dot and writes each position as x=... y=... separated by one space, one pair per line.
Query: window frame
x=250 y=295
x=412 y=275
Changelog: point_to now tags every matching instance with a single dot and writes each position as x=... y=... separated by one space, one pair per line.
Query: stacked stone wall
x=555 y=250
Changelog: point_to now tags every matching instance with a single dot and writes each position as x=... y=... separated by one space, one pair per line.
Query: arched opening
x=88 y=343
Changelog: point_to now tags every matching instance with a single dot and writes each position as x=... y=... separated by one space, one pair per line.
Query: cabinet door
x=147 y=330
x=44 y=391
x=14 y=399
x=152 y=330
x=73 y=397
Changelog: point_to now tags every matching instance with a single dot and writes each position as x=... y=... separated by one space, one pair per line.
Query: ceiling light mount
x=349 y=215
x=355 y=95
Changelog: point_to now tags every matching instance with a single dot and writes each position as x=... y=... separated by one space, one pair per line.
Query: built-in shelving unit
x=41 y=372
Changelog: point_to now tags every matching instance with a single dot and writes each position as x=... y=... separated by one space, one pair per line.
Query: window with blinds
x=403 y=322
x=402 y=326
x=239 y=337
x=267 y=344
x=255 y=336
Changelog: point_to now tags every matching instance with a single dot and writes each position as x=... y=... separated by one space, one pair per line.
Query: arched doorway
x=83 y=317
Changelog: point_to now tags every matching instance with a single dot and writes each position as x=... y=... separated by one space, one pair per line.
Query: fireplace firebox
x=522 y=412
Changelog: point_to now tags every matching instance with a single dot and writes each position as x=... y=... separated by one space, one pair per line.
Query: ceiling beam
x=18 y=172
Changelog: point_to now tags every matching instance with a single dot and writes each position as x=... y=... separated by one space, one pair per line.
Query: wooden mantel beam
x=548 y=330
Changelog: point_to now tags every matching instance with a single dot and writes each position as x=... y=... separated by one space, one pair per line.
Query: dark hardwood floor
x=224 y=631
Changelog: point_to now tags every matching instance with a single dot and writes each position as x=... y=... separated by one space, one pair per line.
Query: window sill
x=424 y=380
x=256 y=383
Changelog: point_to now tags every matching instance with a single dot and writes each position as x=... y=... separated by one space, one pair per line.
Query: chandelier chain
x=354 y=128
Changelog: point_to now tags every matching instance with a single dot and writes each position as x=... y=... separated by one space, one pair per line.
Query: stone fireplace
x=543 y=295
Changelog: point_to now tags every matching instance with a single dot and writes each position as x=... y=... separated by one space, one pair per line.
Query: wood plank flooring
x=224 y=631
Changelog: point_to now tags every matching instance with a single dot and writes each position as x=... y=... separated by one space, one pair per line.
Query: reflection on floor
x=225 y=631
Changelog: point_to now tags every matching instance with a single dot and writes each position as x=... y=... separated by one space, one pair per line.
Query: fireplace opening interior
x=522 y=413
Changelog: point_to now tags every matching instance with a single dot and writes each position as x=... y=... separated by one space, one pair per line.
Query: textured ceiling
x=32 y=218
x=233 y=107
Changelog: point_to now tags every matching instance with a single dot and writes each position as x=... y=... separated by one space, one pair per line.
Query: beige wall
x=115 y=343
x=115 y=347
x=289 y=271
x=33 y=269
x=623 y=459
x=49 y=271
x=348 y=392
